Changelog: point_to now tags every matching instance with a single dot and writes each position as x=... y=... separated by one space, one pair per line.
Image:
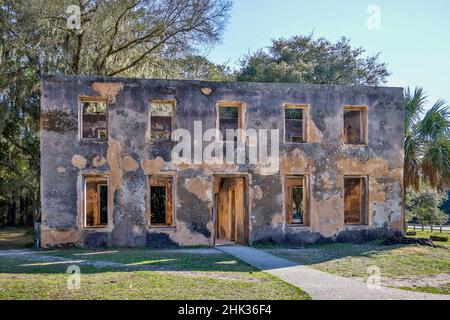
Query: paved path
x=321 y=285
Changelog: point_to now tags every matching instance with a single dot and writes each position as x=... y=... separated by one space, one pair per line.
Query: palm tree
x=427 y=143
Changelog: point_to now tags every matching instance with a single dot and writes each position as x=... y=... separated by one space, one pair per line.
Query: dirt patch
x=193 y=251
x=214 y=275
x=434 y=281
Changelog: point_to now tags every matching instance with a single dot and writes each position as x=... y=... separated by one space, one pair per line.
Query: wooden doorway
x=231 y=225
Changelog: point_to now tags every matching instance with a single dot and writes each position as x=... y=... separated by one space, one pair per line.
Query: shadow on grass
x=199 y=259
x=16 y=237
x=321 y=253
x=122 y=260
x=182 y=260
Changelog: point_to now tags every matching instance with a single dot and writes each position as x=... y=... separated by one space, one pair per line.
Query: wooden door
x=239 y=208
x=230 y=203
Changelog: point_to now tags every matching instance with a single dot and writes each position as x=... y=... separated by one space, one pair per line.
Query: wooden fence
x=432 y=228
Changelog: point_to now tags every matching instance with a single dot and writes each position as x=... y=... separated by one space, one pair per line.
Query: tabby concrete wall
x=128 y=158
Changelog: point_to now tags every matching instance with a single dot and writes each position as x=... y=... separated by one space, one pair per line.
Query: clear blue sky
x=414 y=38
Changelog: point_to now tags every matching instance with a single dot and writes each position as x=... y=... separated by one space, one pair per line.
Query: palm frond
x=436 y=164
x=436 y=122
x=414 y=106
x=412 y=161
x=427 y=144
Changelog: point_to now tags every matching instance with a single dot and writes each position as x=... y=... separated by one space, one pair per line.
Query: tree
x=303 y=59
x=427 y=144
x=423 y=206
x=194 y=67
x=445 y=206
x=116 y=37
x=19 y=119
x=135 y=38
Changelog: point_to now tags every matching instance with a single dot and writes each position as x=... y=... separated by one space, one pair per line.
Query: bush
x=423 y=206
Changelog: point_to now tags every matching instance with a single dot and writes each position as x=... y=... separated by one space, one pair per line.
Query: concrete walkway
x=321 y=285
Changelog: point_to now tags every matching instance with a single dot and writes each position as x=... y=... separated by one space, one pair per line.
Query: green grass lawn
x=204 y=274
x=350 y=260
x=143 y=274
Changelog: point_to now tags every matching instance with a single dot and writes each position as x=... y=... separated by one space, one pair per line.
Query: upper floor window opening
x=355 y=125
x=295 y=123
x=162 y=119
x=94 y=119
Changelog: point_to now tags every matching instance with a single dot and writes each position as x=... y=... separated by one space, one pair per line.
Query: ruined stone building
x=108 y=175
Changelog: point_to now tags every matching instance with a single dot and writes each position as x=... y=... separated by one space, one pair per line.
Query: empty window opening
x=228 y=120
x=95 y=120
x=297 y=204
x=158 y=195
x=355 y=201
x=96 y=202
x=161 y=202
x=161 y=120
x=296 y=201
x=295 y=129
x=355 y=126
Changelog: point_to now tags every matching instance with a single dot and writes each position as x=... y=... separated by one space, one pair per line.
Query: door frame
x=246 y=178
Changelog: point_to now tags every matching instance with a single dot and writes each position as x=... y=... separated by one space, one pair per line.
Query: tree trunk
x=36 y=205
x=21 y=211
x=12 y=213
x=77 y=58
x=4 y=213
x=26 y=217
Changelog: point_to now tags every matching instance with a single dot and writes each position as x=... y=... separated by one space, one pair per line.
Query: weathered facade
x=108 y=177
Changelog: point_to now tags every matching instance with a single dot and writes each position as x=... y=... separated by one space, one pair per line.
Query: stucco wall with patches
x=127 y=157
